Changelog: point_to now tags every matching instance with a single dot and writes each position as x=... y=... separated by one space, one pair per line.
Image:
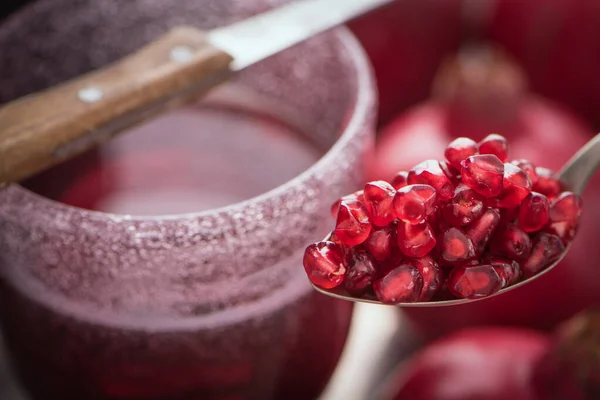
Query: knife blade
x=256 y=38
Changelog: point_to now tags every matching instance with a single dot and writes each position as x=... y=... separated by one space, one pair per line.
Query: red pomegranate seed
x=547 y=248
x=452 y=173
x=517 y=186
x=356 y=196
x=533 y=214
x=529 y=169
x=483 y=174
x=511 y=242
x=400 y=180
x=324 y=264
x=414 y=203
x=352 y=226
x=564 y=214
x=379 y=243
x=415 y=240
x=455 y=247
x=496 y=145
x=360 y=273
x=508 y=216
x=402 y=284
x=465 y=207
x=474 y=281
x=460 y=149
x=430 y=173
x=482 y=230
x=546 y=183
x=431 y=273
x=508 y=270
x=379 y=198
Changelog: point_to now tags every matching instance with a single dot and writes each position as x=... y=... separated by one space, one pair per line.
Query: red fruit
x=455 y=247
x=379 y=197
x=482 y=230
x=465 y=207
x=495 y=363
x=432 y=277
x=356 y=196
x=403 y=284
x=517 y=186
x=352 y=226
x=546 y=183
x=431 y=173
x=546 y=249
x=400 y=180
x=511 y=242
x=473 y=281
x=483 y=363
x=324 y=264
x=508 y=270
x=452 y=173
x=533 y=214
x=360 y=273
x=483 y=174
x=415 y=240
x=529 y=169
x=459 y=150
x=496 y=145
x=414 y=203
x=379 y=243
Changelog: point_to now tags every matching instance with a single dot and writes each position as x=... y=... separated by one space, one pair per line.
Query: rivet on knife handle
x=45 y=128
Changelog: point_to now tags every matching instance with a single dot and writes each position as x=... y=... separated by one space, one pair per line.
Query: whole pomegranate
x=406 y=41
x=494 y=363
x=558 y=44
x=478 y=92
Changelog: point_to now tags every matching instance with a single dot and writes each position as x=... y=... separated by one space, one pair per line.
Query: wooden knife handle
x=45 y=128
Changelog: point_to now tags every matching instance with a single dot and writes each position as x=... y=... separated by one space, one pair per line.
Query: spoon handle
x=45 y=128
x=581 y=167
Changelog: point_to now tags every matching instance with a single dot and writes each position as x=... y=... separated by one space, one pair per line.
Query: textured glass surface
x=206 y=304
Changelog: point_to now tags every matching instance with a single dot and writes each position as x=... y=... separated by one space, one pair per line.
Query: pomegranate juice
x=262 y=341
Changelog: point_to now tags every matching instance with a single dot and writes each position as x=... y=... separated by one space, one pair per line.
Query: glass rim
x=365 y=95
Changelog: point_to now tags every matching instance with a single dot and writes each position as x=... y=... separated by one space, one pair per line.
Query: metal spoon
x=574 y=176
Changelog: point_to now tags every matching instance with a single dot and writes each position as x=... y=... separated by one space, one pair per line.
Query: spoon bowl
x=574 y=177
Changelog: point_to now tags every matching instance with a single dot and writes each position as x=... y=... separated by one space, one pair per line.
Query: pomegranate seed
x=452 y=173
x=400 y=180
x=402 y=284
x=482 y=230
x=508 y=270
x=533 y=214
x=395 y=259
x=483 y=174
x=517 y=186
x=511 y=242
x=432 y=277
x=564 y=214
x=324 y=264
x=360 y=273
x=547 y=248
x=474 y=281
x=546 y=183
x=415 y=240
x=356 y=196
x=430 y=173
x=459 y=149
x=496 y=145
x=379 y=243
x=455 y=247
x=379 y=197
x=352 y=226
x=529 y=169
x=465 y=207
x=508 y=216
x=413 y=203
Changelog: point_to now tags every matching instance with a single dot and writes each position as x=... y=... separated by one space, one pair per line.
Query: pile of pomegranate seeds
x=464 y=227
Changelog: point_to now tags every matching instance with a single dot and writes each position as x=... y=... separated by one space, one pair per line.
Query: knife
x=48 y=127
